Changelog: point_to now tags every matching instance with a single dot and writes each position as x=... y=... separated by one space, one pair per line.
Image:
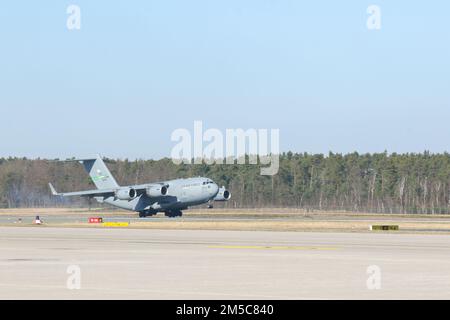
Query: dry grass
x=218 y=212
x=287 y=225
x=318 y=226
x=254 y=221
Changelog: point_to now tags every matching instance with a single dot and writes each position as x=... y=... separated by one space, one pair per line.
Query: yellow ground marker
x=115 y=224
x=274 y=247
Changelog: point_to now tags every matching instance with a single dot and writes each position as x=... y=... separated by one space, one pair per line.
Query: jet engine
x=223 y=195
x=126 y=194
x=156 y=191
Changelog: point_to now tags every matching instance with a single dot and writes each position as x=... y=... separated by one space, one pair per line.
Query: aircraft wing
x=140 y=189
x=87 y=193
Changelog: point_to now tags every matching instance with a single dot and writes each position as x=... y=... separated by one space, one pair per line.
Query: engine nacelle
x=126 y=194
x=223 y=195
x=156 y=191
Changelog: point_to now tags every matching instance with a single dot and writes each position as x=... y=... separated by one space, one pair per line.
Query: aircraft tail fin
x=99 y=173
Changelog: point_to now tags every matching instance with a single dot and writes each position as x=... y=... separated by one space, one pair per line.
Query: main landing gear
x=143 y=214
x=170 y=214
x=173 y=213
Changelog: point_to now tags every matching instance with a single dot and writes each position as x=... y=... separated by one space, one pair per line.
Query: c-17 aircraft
x=170 y=197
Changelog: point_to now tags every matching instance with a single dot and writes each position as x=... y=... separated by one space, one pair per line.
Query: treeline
x=381 y=182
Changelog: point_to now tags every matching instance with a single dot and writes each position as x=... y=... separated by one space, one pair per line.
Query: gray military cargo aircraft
x=170 y=197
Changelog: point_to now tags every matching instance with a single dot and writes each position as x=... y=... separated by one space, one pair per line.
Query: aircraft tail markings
x=99 y=172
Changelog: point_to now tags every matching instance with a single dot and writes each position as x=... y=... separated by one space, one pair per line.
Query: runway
x=193 y=264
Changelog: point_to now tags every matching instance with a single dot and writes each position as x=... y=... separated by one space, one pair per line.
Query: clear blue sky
x=137 y=70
